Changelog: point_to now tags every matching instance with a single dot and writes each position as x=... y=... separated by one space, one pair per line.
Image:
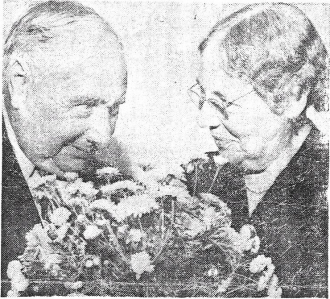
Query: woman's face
x=246 y=132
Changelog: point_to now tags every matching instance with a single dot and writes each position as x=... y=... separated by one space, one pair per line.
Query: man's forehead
x=95 y=73
x=76 y=49
x=76 y=42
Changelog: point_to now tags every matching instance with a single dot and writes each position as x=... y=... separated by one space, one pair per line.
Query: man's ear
x=297 y=102
x=18 y=72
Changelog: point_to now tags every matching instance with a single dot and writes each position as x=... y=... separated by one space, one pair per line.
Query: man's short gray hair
x=39 y=23
x=40 y=26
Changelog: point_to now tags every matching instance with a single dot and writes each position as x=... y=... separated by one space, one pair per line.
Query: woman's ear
x=321 y=120
x=297 y=102
x=18 y=82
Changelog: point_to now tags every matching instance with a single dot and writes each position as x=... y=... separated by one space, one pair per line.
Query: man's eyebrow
x=91 y=101
x=85 y=100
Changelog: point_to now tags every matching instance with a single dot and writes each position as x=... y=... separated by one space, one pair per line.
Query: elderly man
x=64 y=80
x=263 y=72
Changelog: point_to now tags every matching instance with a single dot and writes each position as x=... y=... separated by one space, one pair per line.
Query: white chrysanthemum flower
x=262 y=283
x=194 y=227
x=140 y=262
x=247 y=231
x=19 y=283
x=112 y=188
x=78 y=202
x=139 y=205
x=269 y=272
x=73 y=285
x=265 y=277
x=91 y=232
x=36 y=182
x=71 y=176
x=259 y=263
x=152 y=174
x=52 y=259
x=122 y=229
x=89 y=264
x=246 y=245
x=82 y=187
x=213 y=272
x=14 y=268
x=49 y=178
x=144 y=177
x=135 y=205
x=88 y=189
x=211 y=198
x=224 y=285
x=210 y=217
x=102 y=222
x=60 y=216
x=12 y=293
x=135 y=235
x=38 y=194
x=62 y=189
x=113 y=171
x=81 y=218
x=181 y=194
x=103 y=204
x=38 y=237
x=233 y=236
x=96 y=261
x=255 y=245
x=61 y=231
x=274 y=291
x=249 y=241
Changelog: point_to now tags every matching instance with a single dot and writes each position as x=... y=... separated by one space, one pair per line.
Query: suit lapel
x=19 y=213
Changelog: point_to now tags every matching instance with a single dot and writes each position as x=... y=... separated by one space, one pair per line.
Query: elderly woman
x=260 y=91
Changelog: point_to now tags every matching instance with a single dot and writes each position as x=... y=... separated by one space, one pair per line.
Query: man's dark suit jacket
x=18 y=213
x=291 y=220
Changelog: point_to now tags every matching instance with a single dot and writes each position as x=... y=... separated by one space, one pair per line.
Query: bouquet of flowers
x=136 y=238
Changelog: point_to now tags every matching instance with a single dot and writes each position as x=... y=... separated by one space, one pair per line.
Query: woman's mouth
x=223 y=143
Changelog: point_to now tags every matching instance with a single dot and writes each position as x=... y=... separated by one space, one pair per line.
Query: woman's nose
x=208 y=117
x=101 y=127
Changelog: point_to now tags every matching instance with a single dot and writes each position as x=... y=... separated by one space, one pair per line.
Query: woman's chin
x=253 y=166
x=232 y=155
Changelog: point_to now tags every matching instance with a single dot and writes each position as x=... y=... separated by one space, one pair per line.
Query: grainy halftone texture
x=157 y=125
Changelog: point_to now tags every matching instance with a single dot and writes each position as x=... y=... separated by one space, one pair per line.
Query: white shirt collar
x=258 y=184
x=25 y=164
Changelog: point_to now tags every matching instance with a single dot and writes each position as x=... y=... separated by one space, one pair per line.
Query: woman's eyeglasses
x=197 y=97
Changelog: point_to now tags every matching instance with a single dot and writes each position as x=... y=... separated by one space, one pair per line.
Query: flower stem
x=214 y=179
x=117 y=245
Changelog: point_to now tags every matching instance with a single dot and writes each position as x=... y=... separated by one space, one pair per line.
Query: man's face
x=73 y=101
x=246 y=132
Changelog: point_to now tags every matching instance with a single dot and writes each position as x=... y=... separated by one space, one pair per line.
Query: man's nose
x=208 y=117
x=100 y=126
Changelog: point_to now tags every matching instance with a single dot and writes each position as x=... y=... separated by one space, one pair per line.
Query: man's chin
x=80 y=166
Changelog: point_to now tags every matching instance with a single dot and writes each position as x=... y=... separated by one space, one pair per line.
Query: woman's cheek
x=253 y=146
